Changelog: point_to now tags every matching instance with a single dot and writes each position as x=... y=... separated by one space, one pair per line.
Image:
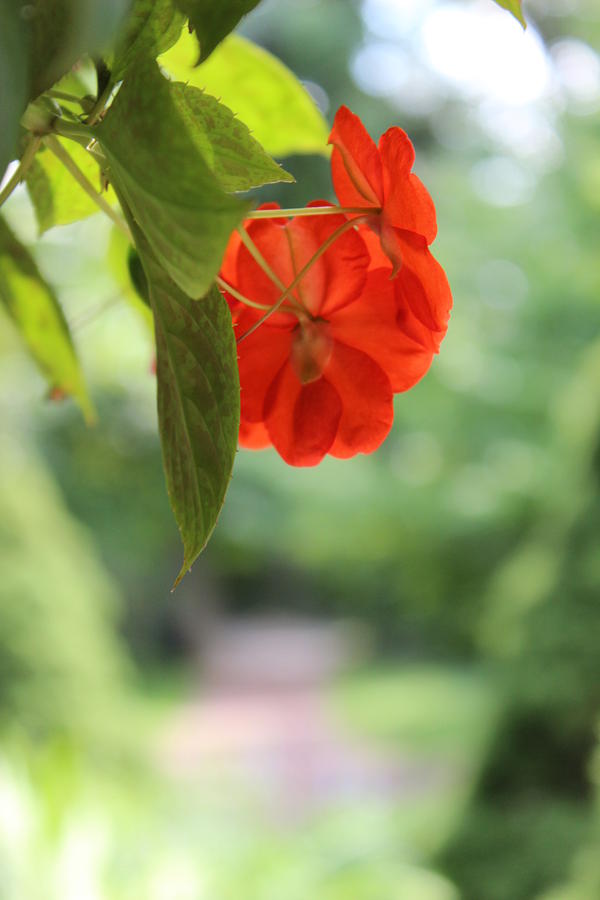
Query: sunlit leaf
x=57 y=198
x=198 y=401
x=156 y=165
x=235 y=158
x=213 y=21
x=13 y=79
x=34 y=308
x=266 y=96
x=61 y=31
x=151 y=28
x=514 y=7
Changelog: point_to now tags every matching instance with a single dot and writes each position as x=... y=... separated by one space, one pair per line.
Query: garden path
x=262 y=718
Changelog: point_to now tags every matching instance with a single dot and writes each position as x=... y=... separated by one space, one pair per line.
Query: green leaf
x=34 y=308
x=57 y=198
x=13 y=80
x=62 y=31
x=155 y=164
x=214 y=20
x=514 y=7
x=235 y=158
x=198 y=401
x=151 y=28
x=266 y=96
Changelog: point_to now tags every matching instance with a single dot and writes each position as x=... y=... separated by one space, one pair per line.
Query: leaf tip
x=286 y=176
x=520 y=19
x=186 y=566
x=514 y=7
x=183 y=571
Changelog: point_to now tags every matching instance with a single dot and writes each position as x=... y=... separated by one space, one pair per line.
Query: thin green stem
x=292 y=287
x=84 y=102
x=73 y=130
x=264 y=265
x=238 y=296
x=259 y=258
x=59 y=151
x=312 y=211
x=22 y=169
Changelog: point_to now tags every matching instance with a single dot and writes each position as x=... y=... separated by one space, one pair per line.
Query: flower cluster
x=336 y=309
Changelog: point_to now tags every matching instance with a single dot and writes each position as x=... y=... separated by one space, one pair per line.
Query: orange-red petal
x=377 y=258
x=333 y=280
x=261 y=356
x=355 y=163
x=407 y=203
x=302 y=420
x=253 y=435
x=342 y=268
x=422 y=285
x=400 y=345
x=366 y=398
x=302 y=242
x=271 y=241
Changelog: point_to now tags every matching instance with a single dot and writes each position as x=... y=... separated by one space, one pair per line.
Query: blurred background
x=382 y=678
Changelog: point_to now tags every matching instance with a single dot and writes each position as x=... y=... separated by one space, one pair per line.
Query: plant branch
x=350 y=223
x=259 y=258
x=238 y=296
x=264 y=265
x=85 y=102
x=312 y=211
x=59 y=151
x=74 y=130
x=22 y=168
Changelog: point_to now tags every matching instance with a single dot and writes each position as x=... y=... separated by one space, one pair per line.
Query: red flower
x=420 y=285
x=319 y=375
x=366 y=175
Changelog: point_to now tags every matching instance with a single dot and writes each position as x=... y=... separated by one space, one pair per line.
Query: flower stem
x=312 y=211
x=22 y=168
x=74 y=130
x=264 y=265
x=259 y=258
x=234 y=293
x=59 y=151
x=350 y=223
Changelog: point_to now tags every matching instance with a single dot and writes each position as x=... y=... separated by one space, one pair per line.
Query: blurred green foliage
x=66 y=828
x=62 y=667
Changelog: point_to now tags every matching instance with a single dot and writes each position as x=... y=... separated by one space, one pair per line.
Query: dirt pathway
x=262 y=721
